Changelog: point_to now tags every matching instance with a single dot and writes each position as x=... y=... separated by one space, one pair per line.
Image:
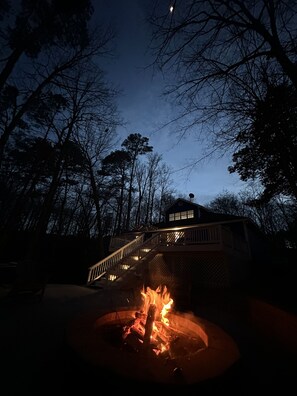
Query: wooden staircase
x=130 y=260
x=124 y=265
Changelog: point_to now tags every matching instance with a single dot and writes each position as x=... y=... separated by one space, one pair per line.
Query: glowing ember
x=148 y=345
x=151 y=327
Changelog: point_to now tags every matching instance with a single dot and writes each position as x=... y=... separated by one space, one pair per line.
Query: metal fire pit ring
x=219 y=353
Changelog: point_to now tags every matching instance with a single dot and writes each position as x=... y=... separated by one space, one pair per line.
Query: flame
x=159 y=297
x=151 y=323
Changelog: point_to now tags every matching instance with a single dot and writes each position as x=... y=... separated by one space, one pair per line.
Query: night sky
x=145 y=110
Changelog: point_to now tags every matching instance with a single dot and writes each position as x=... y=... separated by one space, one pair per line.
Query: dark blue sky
x=145 y=111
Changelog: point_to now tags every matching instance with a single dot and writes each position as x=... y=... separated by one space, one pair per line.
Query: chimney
x=191 y=197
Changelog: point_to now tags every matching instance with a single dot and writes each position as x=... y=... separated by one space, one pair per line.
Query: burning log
x=149 y=325
x=137 y=332
x=137 y=326
x=161 y=338
x=132 y=342
x=140 y=315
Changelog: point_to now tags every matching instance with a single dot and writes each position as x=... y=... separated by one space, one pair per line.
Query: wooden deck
x=128 y=251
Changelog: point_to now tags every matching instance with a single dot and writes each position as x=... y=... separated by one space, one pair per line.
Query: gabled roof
x=187 y=201
x=208 y=215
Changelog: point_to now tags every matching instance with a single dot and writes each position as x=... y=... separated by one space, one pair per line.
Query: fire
x=161 y=299
x=150 y=326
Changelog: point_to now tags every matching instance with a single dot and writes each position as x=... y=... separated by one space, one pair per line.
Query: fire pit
x=154 y=345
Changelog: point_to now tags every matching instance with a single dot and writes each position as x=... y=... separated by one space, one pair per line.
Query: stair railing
x=97 y=270
x=136 y=258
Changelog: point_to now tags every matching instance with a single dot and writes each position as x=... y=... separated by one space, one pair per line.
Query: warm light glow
x=178 y=235
x=125 y=266
x=161 y=298
x=186 y=214
x=112 y=277
x=161 y=302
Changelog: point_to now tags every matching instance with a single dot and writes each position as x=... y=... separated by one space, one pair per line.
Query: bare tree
x=31 y=27
x=165 y=193
x=141 y=176
x=89 y=106
x=95 y=141
x=228 y=203
x=216 y=54
x=147 y=175
x=135 y=145
x=35 y=65
x=271 y=217
x=154 y=163
x=115 y=169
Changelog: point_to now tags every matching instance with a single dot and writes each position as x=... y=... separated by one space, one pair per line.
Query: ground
x=37 y=358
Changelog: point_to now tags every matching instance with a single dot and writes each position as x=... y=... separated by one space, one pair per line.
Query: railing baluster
x=99 y=269
x=213 y=234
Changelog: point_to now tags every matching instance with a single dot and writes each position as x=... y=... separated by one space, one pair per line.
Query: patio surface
x=36 y=358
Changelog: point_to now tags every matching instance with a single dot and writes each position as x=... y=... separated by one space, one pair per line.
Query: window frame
x=182 y=215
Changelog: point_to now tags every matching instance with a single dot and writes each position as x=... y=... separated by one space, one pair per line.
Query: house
x=216 y=249
x=194 y=247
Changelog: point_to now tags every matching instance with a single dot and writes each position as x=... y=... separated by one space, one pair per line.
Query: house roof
x=208 y=215
x=163 y=227
x=187 y=201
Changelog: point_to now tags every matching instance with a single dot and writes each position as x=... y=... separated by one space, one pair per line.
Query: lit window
x=188 y=214
x=184 y=215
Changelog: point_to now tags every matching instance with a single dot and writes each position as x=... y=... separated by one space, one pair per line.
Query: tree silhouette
x=219 y=56
x=39 y=25
x=135 y=145
x=269 y=146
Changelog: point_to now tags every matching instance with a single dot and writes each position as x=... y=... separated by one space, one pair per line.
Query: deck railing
x=206 y=235
x=138 y=248
x=192 y=236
